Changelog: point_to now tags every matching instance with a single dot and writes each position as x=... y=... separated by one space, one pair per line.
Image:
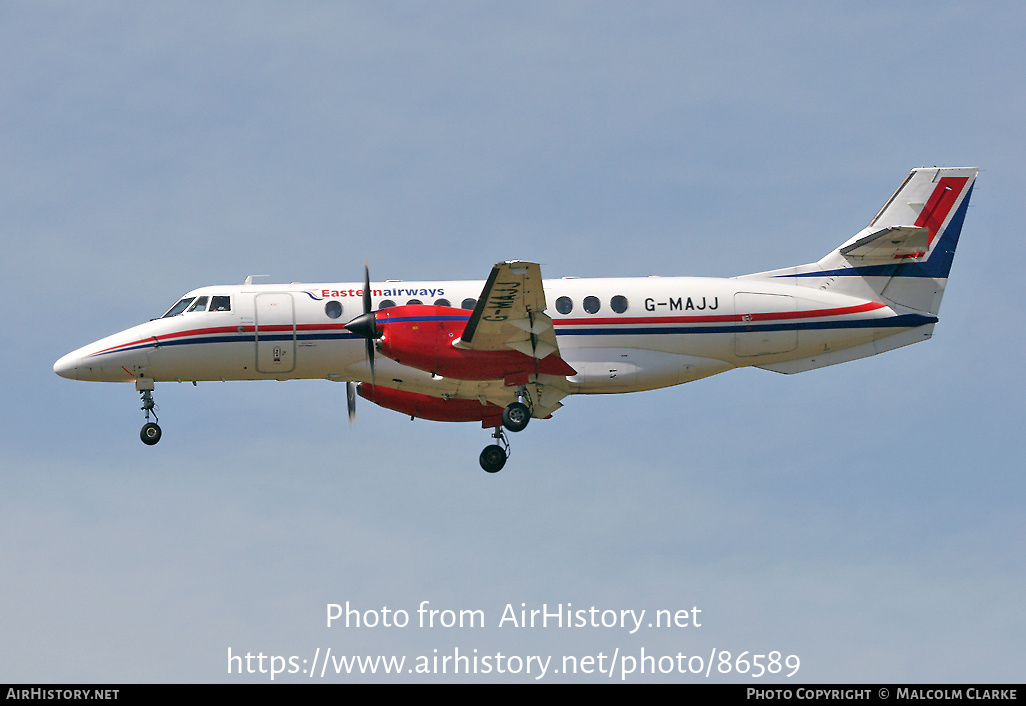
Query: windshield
x=179 y=307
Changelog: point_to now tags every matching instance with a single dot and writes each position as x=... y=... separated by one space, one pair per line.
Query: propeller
x=365 y=325
x=351 y=401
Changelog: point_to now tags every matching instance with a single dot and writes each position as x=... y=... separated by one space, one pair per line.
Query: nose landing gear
x=150 y=433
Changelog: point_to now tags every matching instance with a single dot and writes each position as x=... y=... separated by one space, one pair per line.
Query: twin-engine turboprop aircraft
x=510 y=349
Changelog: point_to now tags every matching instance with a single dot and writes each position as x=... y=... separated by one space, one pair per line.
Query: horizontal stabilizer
x=890 y=243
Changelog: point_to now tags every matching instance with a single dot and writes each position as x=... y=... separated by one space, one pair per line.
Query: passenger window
x=333 y=309
x=386 y=304
x=414 y=301
x=200 y=305
x=618 y=304
x=468 y=304
x=564 y=305
x=442 y=302
x=591 y=305
x=220 y=304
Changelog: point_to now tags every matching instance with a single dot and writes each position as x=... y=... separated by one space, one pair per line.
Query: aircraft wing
x=509 y=316
x=510 y=313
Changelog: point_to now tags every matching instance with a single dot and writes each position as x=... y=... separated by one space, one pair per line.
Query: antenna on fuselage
x=249 y=280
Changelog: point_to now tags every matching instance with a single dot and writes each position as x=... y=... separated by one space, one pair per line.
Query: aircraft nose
x=67 y=366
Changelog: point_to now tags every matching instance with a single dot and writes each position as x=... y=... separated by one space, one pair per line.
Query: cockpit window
x=220 y=304
x=191 y=304
x=179 y=307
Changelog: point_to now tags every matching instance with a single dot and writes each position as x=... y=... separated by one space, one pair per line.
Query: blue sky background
x=866 y=517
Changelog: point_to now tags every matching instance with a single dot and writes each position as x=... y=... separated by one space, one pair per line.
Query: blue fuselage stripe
x=904 y=321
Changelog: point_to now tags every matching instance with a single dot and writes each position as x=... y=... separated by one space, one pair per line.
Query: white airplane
x=509 y=349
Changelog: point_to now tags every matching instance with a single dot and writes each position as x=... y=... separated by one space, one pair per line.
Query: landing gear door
x=275 y=333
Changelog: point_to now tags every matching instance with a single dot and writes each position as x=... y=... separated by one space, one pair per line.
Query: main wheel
x=493 y=458
x=516 y=416
x=150 y=434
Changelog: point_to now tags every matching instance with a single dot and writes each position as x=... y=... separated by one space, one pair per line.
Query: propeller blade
x=366 y=287
x=351 y=401
x=370 y=357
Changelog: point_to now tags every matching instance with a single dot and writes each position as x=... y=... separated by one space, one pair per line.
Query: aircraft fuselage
x=620 y=335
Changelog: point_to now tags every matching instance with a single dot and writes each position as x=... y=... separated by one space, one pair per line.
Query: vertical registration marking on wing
x=505 y=297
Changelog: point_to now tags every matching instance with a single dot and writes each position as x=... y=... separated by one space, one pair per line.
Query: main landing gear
x=493 y=458
x=515 y=418
x=150 y=433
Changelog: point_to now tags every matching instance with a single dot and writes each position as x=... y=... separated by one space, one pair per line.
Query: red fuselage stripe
x=723 y=318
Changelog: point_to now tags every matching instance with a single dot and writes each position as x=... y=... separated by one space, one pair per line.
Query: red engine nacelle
x=434 y=408
x=422 y=337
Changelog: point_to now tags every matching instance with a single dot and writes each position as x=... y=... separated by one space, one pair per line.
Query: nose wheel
x=150 y=433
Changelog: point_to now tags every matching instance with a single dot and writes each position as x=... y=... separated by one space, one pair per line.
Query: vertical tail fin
x=904 y=255
x=937 y=200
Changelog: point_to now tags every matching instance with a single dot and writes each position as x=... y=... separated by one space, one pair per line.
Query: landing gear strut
x=515 y=417
x=150 y=433
x=493 y=458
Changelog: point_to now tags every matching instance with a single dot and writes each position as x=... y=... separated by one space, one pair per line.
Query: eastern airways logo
x=321 y=294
